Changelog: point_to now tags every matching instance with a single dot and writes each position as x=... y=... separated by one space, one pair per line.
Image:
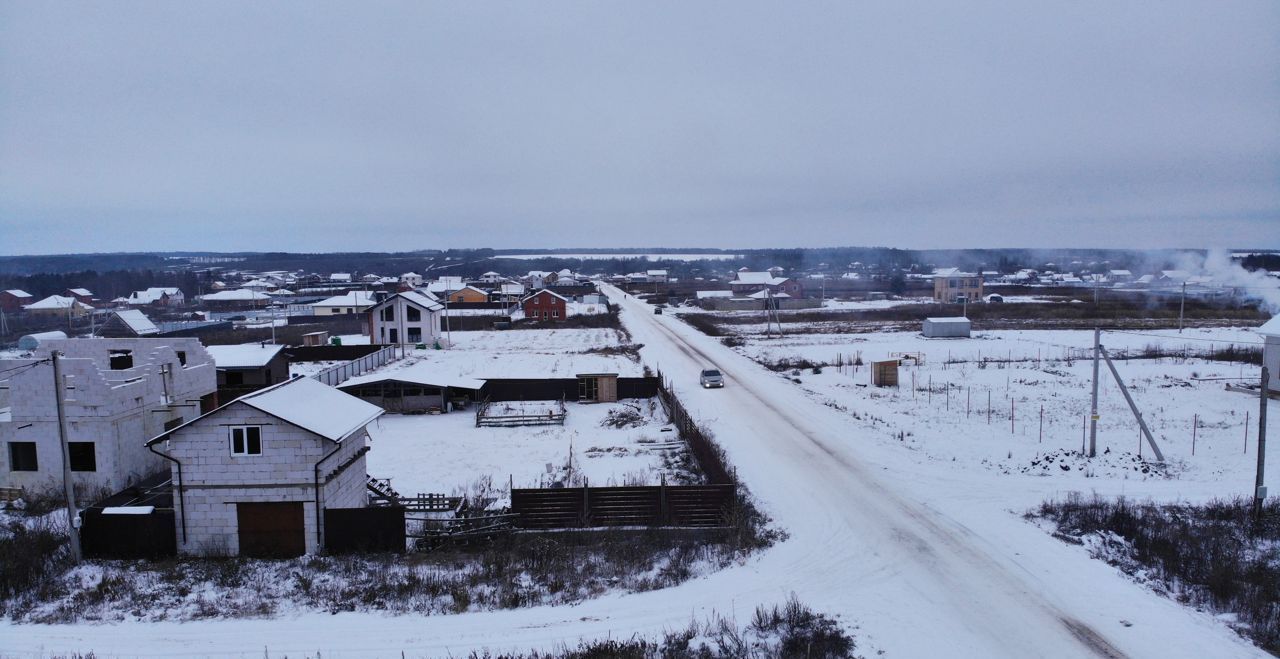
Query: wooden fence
x=487 y=417
x=652 y=505
x=709 y=457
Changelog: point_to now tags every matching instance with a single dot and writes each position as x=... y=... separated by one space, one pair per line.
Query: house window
x=413 y=315
x=22 y=456
x=246 y=440
x=182 y=357
x=544 y=315
x=120 y=360
x=389 y=314
x=83 y=457
x=555 y=313
x=415 y=334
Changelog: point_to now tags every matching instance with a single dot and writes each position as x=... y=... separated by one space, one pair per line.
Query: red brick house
x=545 y=305
x=81 y=294
x=14 y=299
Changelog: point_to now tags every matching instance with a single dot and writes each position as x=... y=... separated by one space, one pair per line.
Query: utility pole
x=73 y=516
x=1260 y=490
x=1182 y=306
x=1093 y=409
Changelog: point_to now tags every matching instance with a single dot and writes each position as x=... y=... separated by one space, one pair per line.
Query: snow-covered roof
x=1178 y=275
x=548 y=292
x=137 y=321
x=410 y=275
x=764 y=294
x=236 y=295
x=512 y=289
x=702 y=295
x=426 y=300
x=249 y=355
x=1120 y=273
x=305 y=403
x=1271 y=327
x=491 y=274
x=949 y=320
x=152 y=294
x=657 y=273
x=472 y=288
x=421 y=373
x=57 y=302
x=349 y=299
x=17 y=292
x=340 y=276
x=764 y=278
x=80 y=291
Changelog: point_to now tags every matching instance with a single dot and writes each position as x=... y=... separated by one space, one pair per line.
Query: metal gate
x=271 y=530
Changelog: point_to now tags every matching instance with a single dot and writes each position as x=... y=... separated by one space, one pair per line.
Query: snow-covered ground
x=928 y=557
x=946 y=418
x=446 y=453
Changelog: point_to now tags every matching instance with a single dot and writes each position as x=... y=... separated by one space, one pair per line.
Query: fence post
x=586 y=503
x=664 y=513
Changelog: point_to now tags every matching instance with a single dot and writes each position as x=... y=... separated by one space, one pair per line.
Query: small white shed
x=948 y=328
x=1270 y=332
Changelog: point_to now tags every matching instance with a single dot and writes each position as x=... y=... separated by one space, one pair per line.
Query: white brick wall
x=117 y=410
x=214 y=480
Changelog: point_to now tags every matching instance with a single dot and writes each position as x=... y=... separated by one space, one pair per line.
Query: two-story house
x=253 y=477
x=406 y=318
x=951 y=286
x=545 y=305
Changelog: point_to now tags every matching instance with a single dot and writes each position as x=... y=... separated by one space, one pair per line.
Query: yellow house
x=952 y=286
x=468 y=294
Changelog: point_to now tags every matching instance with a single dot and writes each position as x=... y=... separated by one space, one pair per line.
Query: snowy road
x=923 y=561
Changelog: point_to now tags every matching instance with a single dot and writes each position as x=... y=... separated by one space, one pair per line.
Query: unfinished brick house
x=120 y=392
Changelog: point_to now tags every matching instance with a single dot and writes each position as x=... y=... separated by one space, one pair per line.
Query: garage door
x=271 y=530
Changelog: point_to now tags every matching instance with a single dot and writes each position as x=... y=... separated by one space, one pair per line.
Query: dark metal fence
x=128 y=536
x=653 y=505
x=376 y=529
x=563 y=388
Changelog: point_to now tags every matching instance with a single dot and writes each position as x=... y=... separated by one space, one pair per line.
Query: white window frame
x=231 y=440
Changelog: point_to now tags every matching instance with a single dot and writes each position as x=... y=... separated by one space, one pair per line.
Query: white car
x=711 y=378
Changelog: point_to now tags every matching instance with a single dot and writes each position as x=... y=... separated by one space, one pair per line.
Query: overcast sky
x=399 y=126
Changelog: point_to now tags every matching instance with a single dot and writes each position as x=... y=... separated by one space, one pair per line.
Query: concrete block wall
x=117 y=410
x=213 y=480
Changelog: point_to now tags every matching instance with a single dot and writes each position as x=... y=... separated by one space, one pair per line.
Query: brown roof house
x=254 y=477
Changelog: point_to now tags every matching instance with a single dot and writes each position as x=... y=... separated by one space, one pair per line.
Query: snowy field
x=988 y=418
x=447 y=454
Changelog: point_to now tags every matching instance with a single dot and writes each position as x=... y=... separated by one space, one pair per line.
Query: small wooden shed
x=598 y=387
x=885 y=373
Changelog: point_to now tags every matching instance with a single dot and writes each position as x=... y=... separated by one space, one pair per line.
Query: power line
x=24 y=366
x=1186 y=338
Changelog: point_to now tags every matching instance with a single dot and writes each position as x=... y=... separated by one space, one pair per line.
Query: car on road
x=657 y=311
x=711 y=378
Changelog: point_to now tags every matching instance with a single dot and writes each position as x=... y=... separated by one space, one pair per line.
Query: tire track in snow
x=921 y=543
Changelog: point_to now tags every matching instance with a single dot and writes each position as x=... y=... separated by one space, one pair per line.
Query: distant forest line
x=116 y=274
